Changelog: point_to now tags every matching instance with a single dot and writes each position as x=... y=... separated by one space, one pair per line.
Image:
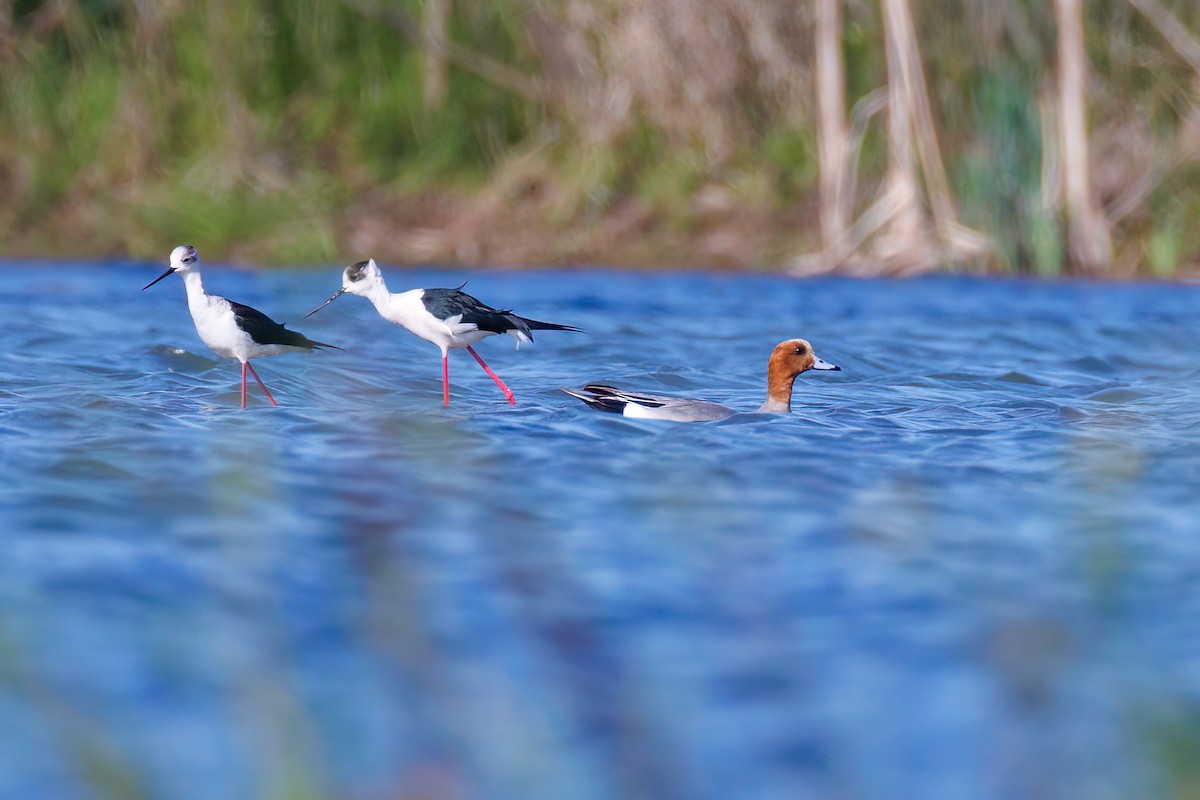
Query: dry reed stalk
x=435 y=27
x=832 y=132
x=711 y=74
x=903 y=238
x=1089 y=241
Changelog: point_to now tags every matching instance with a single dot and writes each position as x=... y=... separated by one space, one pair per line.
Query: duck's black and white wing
x=648 y=406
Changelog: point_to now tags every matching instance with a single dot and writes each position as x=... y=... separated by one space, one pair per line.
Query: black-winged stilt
x=449 y=318
x=232 y=330
x=788 y=360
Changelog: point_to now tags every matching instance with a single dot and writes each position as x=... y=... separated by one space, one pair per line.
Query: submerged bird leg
x=445 y=379
x=244 y=365
x=512 y=401
x=266 y=391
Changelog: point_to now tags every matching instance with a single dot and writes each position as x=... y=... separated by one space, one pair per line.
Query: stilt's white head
x=183 y=258
x=360 y=279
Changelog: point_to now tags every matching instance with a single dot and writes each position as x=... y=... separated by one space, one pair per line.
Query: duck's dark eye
x=801 y=350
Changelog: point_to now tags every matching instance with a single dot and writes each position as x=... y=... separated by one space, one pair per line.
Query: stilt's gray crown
x=356 y=272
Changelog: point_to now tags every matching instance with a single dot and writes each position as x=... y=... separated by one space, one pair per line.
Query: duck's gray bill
x=159 y=278
x=819 y=364
x=336 y=295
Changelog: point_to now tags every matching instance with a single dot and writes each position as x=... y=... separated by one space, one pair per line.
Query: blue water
x=966 y=566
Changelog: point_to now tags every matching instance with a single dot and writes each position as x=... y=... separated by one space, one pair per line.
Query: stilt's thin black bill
x=336 y=295
x=159 y=278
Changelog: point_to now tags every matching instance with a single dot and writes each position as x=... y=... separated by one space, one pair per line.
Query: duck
x=788 y=360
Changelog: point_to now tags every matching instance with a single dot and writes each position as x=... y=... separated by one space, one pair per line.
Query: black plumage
x=264 y=330
x=447 y=303
x=609 y=398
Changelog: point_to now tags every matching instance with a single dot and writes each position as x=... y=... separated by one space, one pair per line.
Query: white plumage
x=449 y=318
x=231 y=329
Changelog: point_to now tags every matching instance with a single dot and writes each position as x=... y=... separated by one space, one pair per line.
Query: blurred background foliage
x=638 y=132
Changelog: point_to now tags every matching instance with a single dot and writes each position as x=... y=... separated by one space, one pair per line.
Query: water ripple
x=978 y=540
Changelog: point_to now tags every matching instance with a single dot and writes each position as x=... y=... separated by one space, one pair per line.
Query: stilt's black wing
x=446 y=303
x=264 y=330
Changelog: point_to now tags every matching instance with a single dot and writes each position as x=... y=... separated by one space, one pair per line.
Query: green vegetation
x=569 y=130
x=248 y=127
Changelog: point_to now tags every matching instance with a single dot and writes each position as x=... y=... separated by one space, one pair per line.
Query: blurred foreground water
x=966 y=566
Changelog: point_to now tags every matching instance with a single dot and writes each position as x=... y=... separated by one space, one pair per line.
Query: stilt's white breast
x=218 y=327
x=407 y=309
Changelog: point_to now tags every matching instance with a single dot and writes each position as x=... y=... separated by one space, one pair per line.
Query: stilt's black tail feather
x=537 y=325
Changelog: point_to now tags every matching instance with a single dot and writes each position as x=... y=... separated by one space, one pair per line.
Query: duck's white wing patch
x=676 y=409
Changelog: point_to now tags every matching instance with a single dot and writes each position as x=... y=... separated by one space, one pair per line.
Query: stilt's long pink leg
x=266 y=391
x=244 y=365
x=512 y=401
x=445 y=379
